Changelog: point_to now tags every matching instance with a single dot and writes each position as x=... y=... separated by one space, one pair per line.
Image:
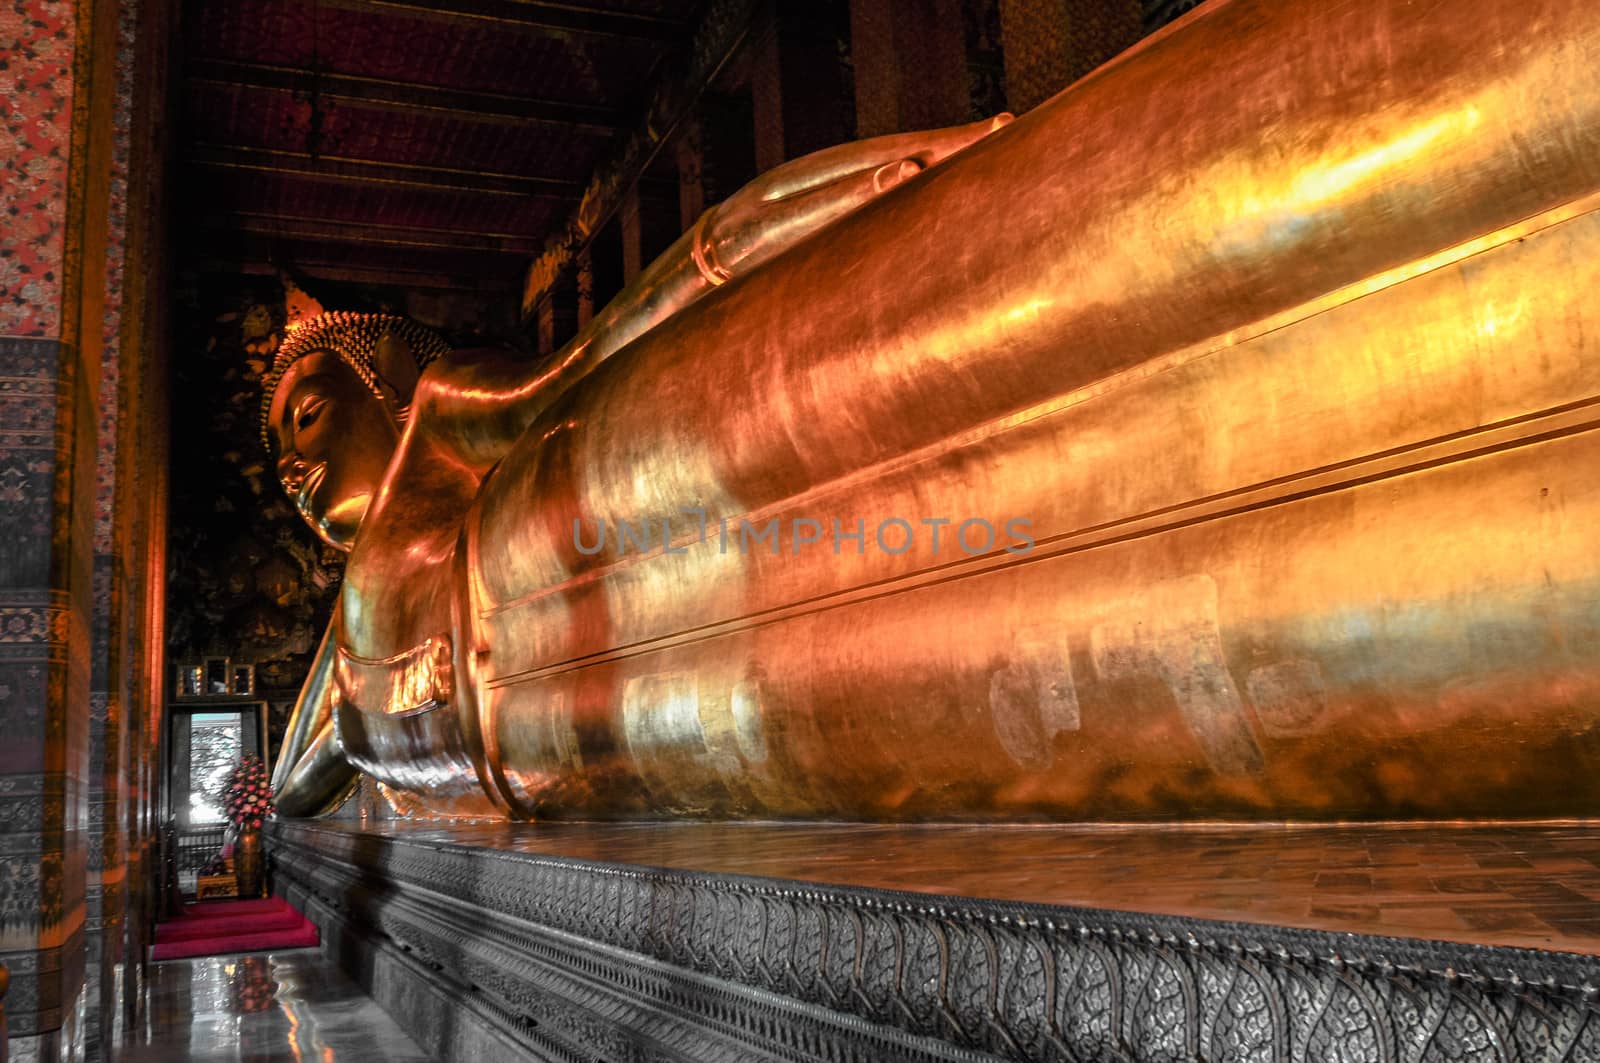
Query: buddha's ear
x=397 y=369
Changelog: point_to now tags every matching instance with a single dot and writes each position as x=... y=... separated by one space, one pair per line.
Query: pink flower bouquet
x=247 y=798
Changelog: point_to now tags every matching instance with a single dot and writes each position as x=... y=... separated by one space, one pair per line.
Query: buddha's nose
x=291 y=470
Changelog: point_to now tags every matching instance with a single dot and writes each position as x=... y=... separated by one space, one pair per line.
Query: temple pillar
x=56 y=192
x=555 y=319
x=584 y=276
x=798 y=84
x=1049 y=44
x=115 y=598
x=910 y=65
x=689 y=156
x=630 y=227
x=544 y=327
x=77 y=523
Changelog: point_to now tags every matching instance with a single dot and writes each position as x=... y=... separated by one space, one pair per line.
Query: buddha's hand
x=789 y=202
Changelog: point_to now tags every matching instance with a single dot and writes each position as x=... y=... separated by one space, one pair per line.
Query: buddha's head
x=335 y=401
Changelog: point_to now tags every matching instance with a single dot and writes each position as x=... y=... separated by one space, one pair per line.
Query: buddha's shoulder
x=389 y=608
x=471 y=368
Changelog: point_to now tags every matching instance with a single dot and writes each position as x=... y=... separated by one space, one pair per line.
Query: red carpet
x=218 y=928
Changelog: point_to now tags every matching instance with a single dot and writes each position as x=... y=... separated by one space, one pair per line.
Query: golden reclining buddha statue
x=1217 y=440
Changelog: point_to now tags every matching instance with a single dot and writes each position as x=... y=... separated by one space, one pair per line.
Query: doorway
x=206 y=740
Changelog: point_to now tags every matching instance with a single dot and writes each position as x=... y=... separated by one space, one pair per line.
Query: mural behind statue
x=1281 y=351
x=246 y=579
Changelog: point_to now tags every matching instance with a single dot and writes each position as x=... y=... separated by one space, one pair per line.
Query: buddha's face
x=335 y=439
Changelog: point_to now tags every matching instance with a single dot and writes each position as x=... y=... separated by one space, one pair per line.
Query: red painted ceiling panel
x=286 y=195
x=522 y=115
x=277 y=119
x=463 y=55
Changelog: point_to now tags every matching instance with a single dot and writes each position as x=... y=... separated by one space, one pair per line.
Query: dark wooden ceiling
x=434 y=143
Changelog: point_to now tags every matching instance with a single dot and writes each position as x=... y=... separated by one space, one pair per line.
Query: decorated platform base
x=705 y=942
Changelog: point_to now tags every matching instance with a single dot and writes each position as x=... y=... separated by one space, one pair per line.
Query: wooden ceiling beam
x=454 y=104
x=367 y=234
x=340 y=169
x=538 y=16
x=443 y=280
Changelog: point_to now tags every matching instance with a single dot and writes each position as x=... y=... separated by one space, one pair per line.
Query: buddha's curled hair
x=354 y=338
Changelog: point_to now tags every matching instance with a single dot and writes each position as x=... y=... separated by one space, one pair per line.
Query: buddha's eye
x=308 y=416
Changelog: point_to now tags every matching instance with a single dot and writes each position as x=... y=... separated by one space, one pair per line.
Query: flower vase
x=247 y=862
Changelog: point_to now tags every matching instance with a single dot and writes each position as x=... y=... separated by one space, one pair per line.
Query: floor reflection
x=287 y=1006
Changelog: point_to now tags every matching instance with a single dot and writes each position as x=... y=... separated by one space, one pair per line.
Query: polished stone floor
x=1532 y=886
x=263 y=1008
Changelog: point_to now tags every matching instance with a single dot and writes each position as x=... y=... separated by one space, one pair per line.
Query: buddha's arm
x=479 y=403
x=321 y=778
x=311 y=770
x=312 y=709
